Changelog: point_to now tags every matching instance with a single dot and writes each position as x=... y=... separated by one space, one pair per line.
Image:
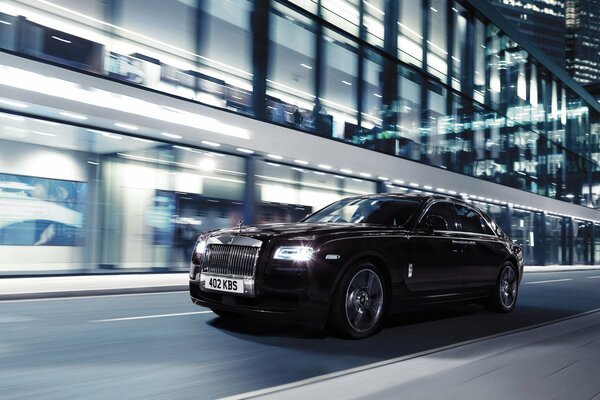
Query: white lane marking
x=550 y=281
x=151 y=316
x=320 y=378
x=593 y=277
x=94 y=296
x=6 y=318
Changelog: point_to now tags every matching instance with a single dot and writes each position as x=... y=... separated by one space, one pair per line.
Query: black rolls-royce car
x=356 y=260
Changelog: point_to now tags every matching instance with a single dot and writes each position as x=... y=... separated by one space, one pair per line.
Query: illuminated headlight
x=295 y=253
x=201 y=247
x=199 y=252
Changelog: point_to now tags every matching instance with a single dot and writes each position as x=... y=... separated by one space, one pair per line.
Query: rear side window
x=444 y=211
x=469 y=219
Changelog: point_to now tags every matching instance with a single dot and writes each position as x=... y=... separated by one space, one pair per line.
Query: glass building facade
x=582 y=41
x=541 y=21
x=440 y=83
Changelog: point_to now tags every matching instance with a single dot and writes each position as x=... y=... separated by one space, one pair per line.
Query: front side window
x=380 y=211
x=469 y=219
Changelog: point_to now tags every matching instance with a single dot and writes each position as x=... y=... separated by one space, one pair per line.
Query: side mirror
x=436 y=223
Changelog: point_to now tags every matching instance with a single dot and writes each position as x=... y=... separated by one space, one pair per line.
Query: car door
x=480 y=254
x=434 y=263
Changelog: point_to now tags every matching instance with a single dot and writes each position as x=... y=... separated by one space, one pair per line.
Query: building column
x=425 y=122
x=362 y=35
x=389 y=77
x=539 y=232
x=319 y=58
x=260 y=56
x=381 y=188
x=249 y=210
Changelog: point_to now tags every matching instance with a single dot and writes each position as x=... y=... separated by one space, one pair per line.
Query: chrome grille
x=231 y=259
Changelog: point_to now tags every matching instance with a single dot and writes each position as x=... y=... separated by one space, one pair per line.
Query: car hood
x=302 y=230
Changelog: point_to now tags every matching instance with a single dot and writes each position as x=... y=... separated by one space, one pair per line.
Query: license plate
x=220 y=284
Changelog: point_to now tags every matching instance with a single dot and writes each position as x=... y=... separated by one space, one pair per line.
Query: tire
x=504 y=294
x=359 y=302
x=226 y=314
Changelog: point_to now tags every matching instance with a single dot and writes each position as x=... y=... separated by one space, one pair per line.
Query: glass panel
x=410 y=35
x=373 y=21
x=554 y=240
x=372 y=91
x=479 y=81
x=339 y=87
x=291 y=74
x=409 y=114
x=459 y=46
x=342 y=13
x=435 y=129
x=170 y=22
x=226 y=43
x=522 y=231
x=581 y=241
x=437 y=43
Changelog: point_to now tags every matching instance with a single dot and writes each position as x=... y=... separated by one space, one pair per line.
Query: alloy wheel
x=364 y=300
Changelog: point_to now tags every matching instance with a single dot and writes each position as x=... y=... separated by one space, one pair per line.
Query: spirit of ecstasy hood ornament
x=240 y=223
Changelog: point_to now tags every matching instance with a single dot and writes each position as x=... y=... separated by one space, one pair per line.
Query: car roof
x=421 y=196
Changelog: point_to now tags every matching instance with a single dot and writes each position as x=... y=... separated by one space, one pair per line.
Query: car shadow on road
x=401 y=334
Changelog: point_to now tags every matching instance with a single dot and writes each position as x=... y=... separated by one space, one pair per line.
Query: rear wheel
x=358 y=305
x=504 y=295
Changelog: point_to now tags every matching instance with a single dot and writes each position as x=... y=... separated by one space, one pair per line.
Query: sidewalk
x=89 y=285
x=557 y=360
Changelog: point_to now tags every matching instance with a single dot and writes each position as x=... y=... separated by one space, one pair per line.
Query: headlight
x=295 y=253
x=197 y=255
x=201 y=247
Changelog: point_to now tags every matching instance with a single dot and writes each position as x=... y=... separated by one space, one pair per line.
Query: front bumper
x=292 y=306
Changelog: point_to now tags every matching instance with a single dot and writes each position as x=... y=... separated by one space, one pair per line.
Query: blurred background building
x=541 y=21
x=129 y=126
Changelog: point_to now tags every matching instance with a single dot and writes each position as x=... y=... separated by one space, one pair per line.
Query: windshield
x=381 y=211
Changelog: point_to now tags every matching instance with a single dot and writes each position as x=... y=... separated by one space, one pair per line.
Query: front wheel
x=358 y=305
x=504 y=295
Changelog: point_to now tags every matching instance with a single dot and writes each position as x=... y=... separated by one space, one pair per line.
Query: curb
x=92 y=292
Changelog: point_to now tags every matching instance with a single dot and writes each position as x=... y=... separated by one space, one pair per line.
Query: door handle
x=465 y=242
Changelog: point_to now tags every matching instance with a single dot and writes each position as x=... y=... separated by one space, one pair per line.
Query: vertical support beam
x=200 y=35
x=539 y=230
x=570 y=241
x=250 y=194
x=425 y=122
x=389 y=77
x=112 y=12
x=319 y=58
x=362 y=34
x=260 y=56
x=563 y=240
x=468 y=66
x=450 y=41
x=507 y=226
x=381 y=188
x=592 y=244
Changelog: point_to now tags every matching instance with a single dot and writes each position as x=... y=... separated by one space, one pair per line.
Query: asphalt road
x=160 y=346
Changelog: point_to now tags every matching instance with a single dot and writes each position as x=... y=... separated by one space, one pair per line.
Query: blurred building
x=129 y=126
x=583 y=40
x=541 y=21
